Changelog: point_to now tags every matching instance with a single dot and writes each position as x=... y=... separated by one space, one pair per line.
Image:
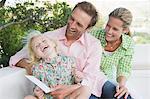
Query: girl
x=49 y=66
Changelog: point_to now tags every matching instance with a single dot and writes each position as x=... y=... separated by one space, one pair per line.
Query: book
x=37 y=82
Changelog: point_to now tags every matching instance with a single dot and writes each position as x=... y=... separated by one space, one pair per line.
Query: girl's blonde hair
x=32 y=55
x=124 y=15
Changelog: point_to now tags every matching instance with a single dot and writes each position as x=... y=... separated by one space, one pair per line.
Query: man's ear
x=89 y=29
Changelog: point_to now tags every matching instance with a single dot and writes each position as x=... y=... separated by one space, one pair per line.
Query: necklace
x=111 y=47
x=114 y=45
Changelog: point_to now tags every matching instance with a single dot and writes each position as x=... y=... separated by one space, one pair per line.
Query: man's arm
x=20 y=60
x=91 y=71
x=24 y=64
x=92 y=66
x=23 y=53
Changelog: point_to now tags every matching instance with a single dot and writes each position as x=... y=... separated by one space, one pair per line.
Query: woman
x=118 y=49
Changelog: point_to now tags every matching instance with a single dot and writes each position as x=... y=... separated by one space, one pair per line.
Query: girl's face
x=42 y=46
x=113 y=29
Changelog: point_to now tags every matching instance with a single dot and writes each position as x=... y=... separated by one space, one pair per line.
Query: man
x=75 y=41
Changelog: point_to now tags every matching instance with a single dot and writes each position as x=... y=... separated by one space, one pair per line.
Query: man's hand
x=83 y=92
x=63 y=91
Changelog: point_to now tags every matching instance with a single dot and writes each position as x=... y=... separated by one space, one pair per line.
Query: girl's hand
x=38 y=92
x=78 y=76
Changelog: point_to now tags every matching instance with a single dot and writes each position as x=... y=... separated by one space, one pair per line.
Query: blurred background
x=19 y=16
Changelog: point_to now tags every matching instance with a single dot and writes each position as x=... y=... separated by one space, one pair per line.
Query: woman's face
x=42 y=46
x=113 y=29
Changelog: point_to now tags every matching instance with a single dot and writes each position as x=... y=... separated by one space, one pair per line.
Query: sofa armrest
x=13 y=84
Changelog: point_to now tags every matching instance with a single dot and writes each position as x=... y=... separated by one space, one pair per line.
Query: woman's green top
x=117 y=63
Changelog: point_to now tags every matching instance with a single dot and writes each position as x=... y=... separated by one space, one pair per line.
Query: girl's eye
x=37 y=46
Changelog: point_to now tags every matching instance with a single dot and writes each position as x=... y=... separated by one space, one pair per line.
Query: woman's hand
x=121 y=91
x=38 y=92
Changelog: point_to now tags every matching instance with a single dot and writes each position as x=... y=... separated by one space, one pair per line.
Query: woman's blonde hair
x=124 y=15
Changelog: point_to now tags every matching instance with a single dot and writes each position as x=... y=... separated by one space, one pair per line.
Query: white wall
x=139 y=83
x=141 y=58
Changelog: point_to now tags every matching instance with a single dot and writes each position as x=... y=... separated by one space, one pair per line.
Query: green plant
x=15 y=21
x=141 y=38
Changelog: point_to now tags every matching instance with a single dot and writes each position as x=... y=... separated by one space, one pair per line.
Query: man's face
x=77 y=24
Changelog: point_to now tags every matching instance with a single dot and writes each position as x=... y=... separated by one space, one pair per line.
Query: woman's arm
x=122 y=80
x=121 y=88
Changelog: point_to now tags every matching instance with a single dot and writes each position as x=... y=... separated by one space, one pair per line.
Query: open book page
x=36 y=81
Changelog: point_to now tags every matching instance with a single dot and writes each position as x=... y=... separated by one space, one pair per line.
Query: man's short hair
x=90 y=9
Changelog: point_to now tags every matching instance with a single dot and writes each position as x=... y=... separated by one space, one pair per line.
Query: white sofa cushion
x=13 y=84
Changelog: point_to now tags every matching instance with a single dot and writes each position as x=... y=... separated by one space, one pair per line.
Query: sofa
x=14 y=85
